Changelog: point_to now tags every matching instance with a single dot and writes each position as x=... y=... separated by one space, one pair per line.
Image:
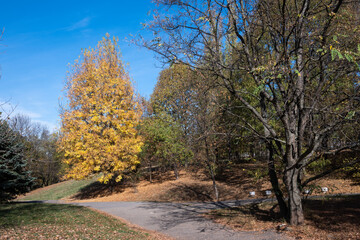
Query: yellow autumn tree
x=100 y=116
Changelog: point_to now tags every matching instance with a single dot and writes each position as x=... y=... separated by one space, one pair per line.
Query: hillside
x=193 y=185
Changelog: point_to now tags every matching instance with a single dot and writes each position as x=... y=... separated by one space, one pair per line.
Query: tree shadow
x=188 y=192
x=161 y=176
x=16 y=214
x=338 y=215
x=204 y=192
x=356 y=183
x=175 y=214
x=270 y=213
x=240 y=176
x=334 y=215
x=98 y=189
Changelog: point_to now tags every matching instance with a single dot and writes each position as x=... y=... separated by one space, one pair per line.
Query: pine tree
x=14 y=178
x=99 y=123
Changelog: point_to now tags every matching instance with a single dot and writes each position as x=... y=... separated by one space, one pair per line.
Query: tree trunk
x=296 y=213
x=215 y=189
x=271 y=165
x=229 y=146
x=150 y=172
x=211 y=170
x=213 y=180
x=275 y=183
x=176 y=171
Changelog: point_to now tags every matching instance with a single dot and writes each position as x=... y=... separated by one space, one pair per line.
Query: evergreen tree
x=14 y=178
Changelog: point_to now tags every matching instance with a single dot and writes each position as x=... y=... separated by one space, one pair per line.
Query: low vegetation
x=52 y=221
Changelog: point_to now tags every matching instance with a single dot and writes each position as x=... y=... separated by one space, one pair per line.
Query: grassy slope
x=61 y=190
x=52 y=221
x=191 y=186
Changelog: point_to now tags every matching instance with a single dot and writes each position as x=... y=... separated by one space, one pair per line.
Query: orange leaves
x=99 y=122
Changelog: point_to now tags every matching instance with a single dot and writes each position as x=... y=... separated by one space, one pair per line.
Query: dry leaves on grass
x=336 y=218
x=51 y=221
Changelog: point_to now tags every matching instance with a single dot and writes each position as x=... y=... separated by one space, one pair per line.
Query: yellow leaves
x=95 y=118
x=201 y=19
x=118 y=178
x=99 y=123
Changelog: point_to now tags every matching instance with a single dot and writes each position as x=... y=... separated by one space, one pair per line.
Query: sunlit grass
x=62 y=190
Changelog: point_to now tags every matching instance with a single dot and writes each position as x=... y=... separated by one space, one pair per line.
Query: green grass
x=58 y=221
x=64 y=189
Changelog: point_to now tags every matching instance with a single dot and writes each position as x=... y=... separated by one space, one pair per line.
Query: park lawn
x=58 y=191
x=60 y=221
x=325 y=218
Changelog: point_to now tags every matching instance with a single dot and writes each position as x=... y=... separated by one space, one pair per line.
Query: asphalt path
x=184 y=220
x=181 y=220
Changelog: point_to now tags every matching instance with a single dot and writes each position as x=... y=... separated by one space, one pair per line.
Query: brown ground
x=191 y=186
x=336 y=218
x=196 y=186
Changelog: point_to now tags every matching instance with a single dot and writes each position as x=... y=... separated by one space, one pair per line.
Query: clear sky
x=42 y=37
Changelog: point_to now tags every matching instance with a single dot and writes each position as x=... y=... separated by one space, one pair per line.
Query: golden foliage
x=98 y=123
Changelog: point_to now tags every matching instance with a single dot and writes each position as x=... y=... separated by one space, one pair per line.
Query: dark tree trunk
x=271 y=165
x=215 y=188
x=291 y=178
x=296 y=213
x=150 y=172
x=275 y=183
x=176 y=171
x=211 y=170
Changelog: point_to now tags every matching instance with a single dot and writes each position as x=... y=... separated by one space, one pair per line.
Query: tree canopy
x=99 y=121
x=293 y=65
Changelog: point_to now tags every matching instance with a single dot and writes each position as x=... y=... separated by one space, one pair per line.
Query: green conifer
x=14 y=178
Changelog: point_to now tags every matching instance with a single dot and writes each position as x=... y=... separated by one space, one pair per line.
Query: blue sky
x=42 y=37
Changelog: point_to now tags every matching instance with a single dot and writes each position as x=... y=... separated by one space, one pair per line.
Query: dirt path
x=179 y=220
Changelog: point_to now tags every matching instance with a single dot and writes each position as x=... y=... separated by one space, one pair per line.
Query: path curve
x=180 y=220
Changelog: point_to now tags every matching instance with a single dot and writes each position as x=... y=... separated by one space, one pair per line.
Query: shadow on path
x=180 y=220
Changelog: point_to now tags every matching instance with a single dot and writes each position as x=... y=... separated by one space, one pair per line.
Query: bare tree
x=22 y=124
x=41 y=149
x=292 y=64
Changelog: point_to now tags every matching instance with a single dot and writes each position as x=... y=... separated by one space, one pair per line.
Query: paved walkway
x=180 y=220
